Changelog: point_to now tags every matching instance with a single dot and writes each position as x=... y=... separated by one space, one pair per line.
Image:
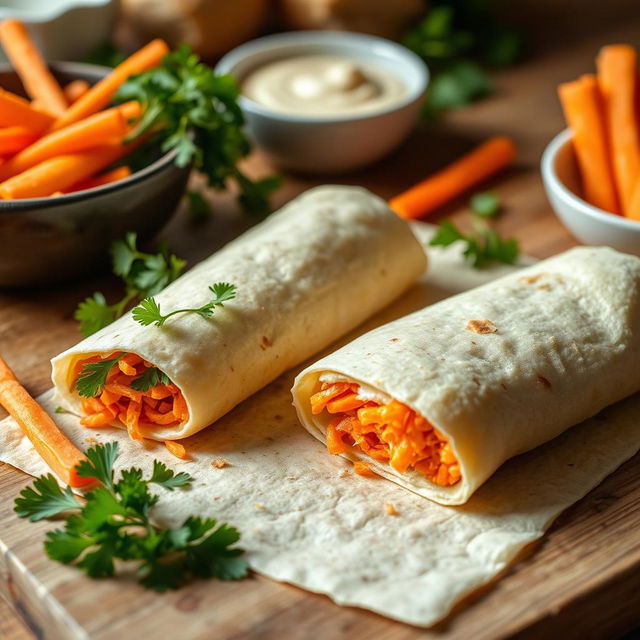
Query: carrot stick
x=583 y=112
x=75 y=90
x=101 y=93
x=96 y=130
x=634 y=207
x=115 y=175
x=16 y=111
x=14 y=139
x=60 y=454
x=32 y=69
x=617 y=72
x=176 y=449
x=481 y=163
x=59 y=173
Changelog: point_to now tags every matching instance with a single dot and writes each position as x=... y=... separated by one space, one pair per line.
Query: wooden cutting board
x=582 y=580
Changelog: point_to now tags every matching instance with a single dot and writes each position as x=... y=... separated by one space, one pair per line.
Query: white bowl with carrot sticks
x=591 y=171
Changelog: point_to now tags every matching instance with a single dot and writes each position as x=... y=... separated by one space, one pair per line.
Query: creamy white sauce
x=323 y=85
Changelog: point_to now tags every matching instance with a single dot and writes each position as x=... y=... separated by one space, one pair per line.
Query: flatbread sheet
x=307 y=519
x=502 y=368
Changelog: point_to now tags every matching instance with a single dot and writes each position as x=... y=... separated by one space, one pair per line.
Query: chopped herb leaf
x=93 y=377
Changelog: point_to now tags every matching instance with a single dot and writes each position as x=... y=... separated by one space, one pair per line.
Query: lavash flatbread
x=311 y=272
x=502 y=368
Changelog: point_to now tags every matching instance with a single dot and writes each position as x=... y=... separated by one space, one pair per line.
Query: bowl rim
x=292 y=39
x=30 y=204
x=549 y=175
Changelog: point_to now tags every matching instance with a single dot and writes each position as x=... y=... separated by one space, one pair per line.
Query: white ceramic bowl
x=63 y=29
x=587 y=223
x=319 y=144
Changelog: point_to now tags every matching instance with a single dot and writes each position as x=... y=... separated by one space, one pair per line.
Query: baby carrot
x=101 y=93
x=490 y=157
x=75 y=90
x=32 y=69
x=14 y=139
x=16 y=111
x=60 y=454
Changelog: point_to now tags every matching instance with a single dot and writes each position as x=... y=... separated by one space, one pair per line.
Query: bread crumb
x=481 y=326
x=390 y=509
x=219 y=463
x=531 y=279
x=90 y=440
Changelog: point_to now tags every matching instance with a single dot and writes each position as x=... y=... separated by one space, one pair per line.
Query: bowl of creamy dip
x=325 y=101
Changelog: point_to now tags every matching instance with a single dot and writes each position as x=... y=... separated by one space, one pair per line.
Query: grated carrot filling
x=391 y=433
x=162 y=404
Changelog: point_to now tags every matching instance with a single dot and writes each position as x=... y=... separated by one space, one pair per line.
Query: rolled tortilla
x=305 y=276
x=461 y=386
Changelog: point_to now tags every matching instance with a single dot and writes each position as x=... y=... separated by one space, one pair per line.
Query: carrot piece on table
x=75 y=90
x=176 y=449
x=484 y=161
x=101 y=93
x=582 y=106
x=56 y=174
x=617 y=77
x=96 y=130
x=32 y=69
x=16 y=111
x=60 y=454
x=363 y=469
x=14 y=139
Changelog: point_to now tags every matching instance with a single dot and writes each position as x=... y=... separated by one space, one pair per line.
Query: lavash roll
x=502 y=368
x=308 y=274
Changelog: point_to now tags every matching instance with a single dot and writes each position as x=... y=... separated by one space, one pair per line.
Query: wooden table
x=583 y=580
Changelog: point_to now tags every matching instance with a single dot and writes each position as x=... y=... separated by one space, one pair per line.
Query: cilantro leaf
x=168 y=479
x=148 y=311
x=150 y=378
x=94 y=314
x=187 y=107
x=44 y=500
x=486 y=204
x=99 y=463
x=115 y=524
x=93 y=376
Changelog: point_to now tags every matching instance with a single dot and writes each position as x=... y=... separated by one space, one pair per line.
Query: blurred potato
x=211 y=27
x=386 y=18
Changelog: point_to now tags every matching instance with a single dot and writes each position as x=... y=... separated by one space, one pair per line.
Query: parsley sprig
x=115 y=523
x=94 y=375
x=191 y=109
x=150 y=378
x=144 y=275
x=148 y=311
x=484 y=246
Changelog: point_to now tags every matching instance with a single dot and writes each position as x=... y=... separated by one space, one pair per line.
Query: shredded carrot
x=363 y=469
x=101 y=93
x=16 y=111
x=60 y=454
x=119 y=403
x=391 y=433
x=617 y=79
x=14 y=139
x=390 y=509
x=31 y=67
x=75 y=90
x=484 y=161
x=176 y=449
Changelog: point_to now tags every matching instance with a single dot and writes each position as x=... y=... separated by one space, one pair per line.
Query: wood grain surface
x=581 y=581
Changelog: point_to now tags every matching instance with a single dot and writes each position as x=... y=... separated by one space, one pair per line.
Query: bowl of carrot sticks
x=70 y=179
x=591 y=171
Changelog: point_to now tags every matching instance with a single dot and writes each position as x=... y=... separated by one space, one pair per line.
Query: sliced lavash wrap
x=502 y=368
x=308 y=274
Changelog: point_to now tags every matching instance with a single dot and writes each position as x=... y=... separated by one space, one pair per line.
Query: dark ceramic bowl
x=44 y=240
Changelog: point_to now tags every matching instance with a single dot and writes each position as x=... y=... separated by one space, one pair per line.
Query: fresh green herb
x=60 y=409
x=486 y=204
x=114 y=523
x=484 y=246
x=93 y=377
x=144 y=275
x=194 y=111
x=150 y=378
x=148 y=311
x=458 y=39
